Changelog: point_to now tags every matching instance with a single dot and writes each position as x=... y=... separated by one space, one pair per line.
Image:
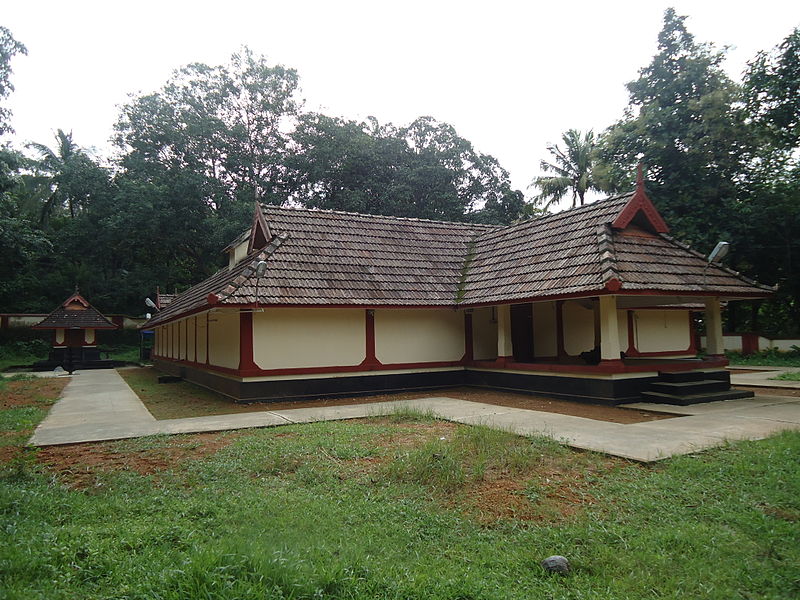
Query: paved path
x=763 y=377
x=99 y=405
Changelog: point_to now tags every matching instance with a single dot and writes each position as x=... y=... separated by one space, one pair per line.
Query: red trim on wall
x=370 y=359
x=246 y=362
x=258 y=372
x=468 y=343
x=749 y=343
x=560 y=352
x=208 y=336
x=631 y=340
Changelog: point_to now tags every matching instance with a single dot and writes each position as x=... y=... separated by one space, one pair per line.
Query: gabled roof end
x=640 y=203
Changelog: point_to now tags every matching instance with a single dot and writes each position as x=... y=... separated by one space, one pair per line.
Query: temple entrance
x=522 y=332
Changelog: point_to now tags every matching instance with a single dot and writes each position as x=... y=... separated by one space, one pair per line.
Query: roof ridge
x=388 y=217
x=559 y=215
x=720 y=266
x=250 y=267
x=609 y=274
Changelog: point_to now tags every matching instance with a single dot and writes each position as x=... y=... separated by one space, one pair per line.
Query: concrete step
x=686 y=400
x=687 y=388
x=684 y=376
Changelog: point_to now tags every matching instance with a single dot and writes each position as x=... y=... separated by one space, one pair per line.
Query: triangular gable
x=640 y=203
x=260 y=234
x=75 y=302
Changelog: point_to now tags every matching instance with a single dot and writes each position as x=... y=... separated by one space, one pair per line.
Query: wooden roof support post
x=609 y=329
x=505 y=349
x=715 y=344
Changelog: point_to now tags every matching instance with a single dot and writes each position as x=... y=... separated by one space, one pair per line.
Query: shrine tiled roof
x=330 y=258
x=75 y=313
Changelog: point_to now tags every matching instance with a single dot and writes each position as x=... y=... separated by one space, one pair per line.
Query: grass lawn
x=793 y=376
x=393 y=507
x=765 y=358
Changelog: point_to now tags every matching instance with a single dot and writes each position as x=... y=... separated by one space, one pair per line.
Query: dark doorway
x=74 y=338
x=522 y=332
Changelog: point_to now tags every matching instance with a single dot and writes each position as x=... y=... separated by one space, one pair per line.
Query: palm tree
x=50 y=172
x=572 y=170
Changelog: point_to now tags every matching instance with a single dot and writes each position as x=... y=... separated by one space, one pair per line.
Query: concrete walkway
x=763 y=377
x=99 y=405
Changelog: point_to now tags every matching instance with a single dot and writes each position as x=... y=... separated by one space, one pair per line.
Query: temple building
x=594 y=303
x=74 y=323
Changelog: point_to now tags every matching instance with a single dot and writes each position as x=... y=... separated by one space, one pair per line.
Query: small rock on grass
x=556 y=564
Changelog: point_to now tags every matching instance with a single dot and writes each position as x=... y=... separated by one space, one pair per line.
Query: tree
x=683 y=122
x=225 y=123
x=9 y=47
x=68 y=175
x=772 y=92
x=423 y=170
x=572 y=168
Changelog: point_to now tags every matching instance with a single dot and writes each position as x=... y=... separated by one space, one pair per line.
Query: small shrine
x=74 y=323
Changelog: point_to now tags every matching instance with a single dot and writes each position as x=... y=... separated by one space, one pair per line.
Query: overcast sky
x=511 y=76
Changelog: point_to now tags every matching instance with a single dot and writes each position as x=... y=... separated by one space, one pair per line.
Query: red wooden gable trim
x=76 y=298
x=260 y=234
x=640 y=202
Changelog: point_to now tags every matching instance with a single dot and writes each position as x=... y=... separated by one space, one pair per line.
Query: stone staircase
x=692 y=387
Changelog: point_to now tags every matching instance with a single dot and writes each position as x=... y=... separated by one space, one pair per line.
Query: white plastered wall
x=419 y=335
x=190 y=337
x=89 y=336
x=182 y=339
x=545 y=334
x=484 y=334
x=578 y=328
x=661 y=330
x=223 y=341
x=285 y=338
x=202 y=331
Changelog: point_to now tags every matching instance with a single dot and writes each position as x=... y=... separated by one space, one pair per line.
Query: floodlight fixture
x=719 y=252
x=261 y=268
x=150 y=303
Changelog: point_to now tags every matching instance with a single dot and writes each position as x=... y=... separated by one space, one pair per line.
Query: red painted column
x=370 y=359
x=560 y=329
x=631 y=351
x=246 y=363
x=468 y=345
x=208 y=337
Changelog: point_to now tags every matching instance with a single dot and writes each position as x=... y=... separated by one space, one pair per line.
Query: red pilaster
x=560 y=329
x=246 y=362
x=370 y=359
x=631 y=351
x=208 y=337
x=468 y=345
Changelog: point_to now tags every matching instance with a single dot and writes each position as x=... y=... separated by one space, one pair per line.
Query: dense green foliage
x=721 y=162
x=327 y=511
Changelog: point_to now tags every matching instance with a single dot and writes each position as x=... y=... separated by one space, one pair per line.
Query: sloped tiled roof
x=75 y=313
x=556 y=254
x=329 y=258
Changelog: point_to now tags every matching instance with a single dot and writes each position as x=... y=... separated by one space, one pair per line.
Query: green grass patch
x=766 y=358
x=381 y=508
x=792 y=376
x=180 y=399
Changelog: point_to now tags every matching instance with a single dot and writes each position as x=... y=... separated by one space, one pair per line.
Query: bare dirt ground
x=554 y=489
x=770 y=391
x=179 y=400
